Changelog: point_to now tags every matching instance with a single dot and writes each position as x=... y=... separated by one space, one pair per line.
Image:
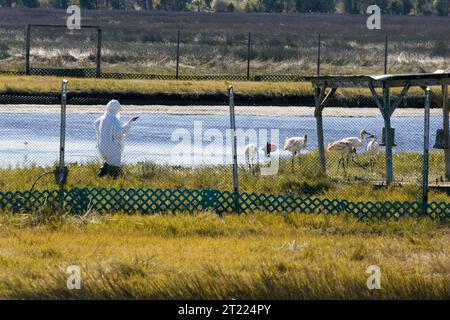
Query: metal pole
x=27 y=49
x=426 y=147
x=234 y=149
x=318 y=55
x=445 y=110
x=386 y=54
x=248 y=54
x=99 y=53
x=62 y=170
x=178 y=54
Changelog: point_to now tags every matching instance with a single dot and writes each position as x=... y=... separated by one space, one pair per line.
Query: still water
x=33 y=138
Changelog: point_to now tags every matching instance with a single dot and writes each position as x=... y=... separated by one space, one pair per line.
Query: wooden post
x=27 y=49
x=319 y=127
x=445 y=110
x=99 y=53
x=178 y=55
x=387 y=128
x=248 y=54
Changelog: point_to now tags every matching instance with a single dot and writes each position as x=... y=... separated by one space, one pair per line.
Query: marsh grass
x=204 y=256
x=357 y=184
x=281 y=43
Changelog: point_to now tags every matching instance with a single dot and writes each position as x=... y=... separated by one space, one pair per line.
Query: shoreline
x=272 y=111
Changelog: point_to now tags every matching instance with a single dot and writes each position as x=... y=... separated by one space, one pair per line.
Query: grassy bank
x=258 y=256
x=38 y=84
x=24 y=85
x=304 y=181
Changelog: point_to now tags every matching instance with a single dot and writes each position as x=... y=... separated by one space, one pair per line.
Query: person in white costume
x=110 y=138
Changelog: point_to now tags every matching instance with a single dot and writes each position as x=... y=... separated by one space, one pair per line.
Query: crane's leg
x=293 y=162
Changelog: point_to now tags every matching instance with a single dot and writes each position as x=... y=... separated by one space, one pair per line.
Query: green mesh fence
x=181 y=200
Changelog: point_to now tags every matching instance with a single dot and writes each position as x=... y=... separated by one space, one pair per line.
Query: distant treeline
x=401 y=7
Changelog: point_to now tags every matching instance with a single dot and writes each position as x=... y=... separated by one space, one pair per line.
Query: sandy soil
x=216 y=110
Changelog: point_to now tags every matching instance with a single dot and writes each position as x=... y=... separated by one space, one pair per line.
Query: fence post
x=178 y=54
x=61 y=173
x=426 y=146
x=27 y=49
x=388 y=133
x=248 y=54
x=445 y=110
x=318 y=55
x=385 y=53
x=99 y=53
x=234 y=149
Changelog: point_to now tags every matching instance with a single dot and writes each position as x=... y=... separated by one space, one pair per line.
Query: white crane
x=355 y=141
x=251 y=154
x=345 y=149
x=373 y=148
x=295 y=145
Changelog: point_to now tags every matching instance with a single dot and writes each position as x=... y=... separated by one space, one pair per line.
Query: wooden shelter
x=326 y=86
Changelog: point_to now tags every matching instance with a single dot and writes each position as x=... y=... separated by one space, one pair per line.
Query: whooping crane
x=373 y=148
x=345 y=149
x=355 y=141
x=251 y=152
x=295 y=145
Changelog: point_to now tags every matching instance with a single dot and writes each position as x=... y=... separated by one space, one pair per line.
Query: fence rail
x=188 y=200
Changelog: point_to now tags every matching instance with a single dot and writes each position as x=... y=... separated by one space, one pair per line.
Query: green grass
x=204 y=256
x=305 y=181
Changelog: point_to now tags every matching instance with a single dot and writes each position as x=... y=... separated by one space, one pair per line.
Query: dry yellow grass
x=37 y=84
x=205 y=256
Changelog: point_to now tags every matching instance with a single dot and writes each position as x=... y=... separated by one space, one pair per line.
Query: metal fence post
x=445 y=110
x=99 y=53
x=61 y=173
x=426 y=146
x=234 y=150
x=178 y=54
x=248 y=54
x=318 y=55
x=27 y=49
x=386 y=54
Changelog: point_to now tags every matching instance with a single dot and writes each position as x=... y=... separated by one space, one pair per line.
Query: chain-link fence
x=115 y=53
x=189 y=147
x=187 y=144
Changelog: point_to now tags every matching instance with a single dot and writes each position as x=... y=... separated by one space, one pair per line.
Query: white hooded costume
x=110 y=134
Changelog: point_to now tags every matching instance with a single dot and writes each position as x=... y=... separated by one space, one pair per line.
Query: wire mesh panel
x=139 y=51
x=59 y=48
x=356 y=54
x=283 y=54
x=213 y=53
x=12 y=48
